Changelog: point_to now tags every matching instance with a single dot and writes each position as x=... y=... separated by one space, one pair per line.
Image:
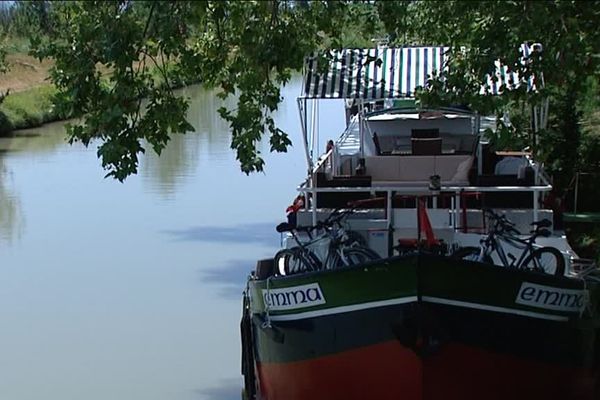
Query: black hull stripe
x=288 y=341
x=542 y=340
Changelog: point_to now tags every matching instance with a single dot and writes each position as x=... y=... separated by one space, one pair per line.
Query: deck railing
x=457 y=193
x=541 y=184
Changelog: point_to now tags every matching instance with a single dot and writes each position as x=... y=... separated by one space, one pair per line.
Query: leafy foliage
x=105 y=49
x=107 y=53
x=23 y=18
x=585 y=239
x=480 y=32
x=3 y=66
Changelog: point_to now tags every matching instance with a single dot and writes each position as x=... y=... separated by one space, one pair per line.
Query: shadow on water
x=231 y=277
x=227 y=389
x=259 y=233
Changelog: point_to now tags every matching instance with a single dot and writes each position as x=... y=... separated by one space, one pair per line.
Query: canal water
x=133 y=291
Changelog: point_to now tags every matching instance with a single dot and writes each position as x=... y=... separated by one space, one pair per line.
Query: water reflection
x=45 y=140
x=11 y=218
x=26 y=143
x=179 y=160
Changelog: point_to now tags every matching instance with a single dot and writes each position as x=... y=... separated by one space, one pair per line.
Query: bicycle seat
x=287 y=227
x=544 y=223
x=544 y=232
x=284 y=227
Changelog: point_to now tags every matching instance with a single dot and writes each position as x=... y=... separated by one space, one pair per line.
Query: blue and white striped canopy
x=389 y=73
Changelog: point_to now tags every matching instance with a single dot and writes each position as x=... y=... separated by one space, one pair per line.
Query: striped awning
x=389 y=73
x=505 y=79
x=383 y=73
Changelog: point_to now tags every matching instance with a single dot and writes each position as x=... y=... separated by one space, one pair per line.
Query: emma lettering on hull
x=551 y=298
x=293 y=297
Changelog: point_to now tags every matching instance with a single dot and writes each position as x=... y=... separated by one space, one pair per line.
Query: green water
x=131 y=291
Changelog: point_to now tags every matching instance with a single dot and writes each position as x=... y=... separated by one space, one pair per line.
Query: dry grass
x=29 y=103
x=25 y=72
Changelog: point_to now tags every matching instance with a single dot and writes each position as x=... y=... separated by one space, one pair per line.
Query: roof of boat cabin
x=416 y=116
x=390 y=73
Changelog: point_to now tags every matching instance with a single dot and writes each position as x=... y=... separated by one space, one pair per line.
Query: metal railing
x=391 y=191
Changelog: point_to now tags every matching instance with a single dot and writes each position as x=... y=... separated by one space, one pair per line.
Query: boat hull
x=420 y=336
x=391 y=371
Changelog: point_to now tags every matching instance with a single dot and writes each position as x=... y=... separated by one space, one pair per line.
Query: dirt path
x=24 y=72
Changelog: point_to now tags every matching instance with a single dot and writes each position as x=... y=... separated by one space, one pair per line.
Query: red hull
x=389 y=371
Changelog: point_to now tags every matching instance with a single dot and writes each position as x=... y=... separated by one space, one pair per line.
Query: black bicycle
x=542 y=259
x=337 y=247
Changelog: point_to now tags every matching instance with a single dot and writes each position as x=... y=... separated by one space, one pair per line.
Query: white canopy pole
x=302 y=112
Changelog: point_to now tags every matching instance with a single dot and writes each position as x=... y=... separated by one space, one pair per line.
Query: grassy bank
x=29 y=103
x=28 y=108
x=33 y=107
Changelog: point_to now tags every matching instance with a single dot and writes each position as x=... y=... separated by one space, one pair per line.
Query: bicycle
x=343 y=247
x=547 y=259
x=407 y=247
x=346 y=247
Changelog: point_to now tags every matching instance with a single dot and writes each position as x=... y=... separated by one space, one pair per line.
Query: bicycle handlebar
x=502 y=223
x=336 y=216
x=544 y=223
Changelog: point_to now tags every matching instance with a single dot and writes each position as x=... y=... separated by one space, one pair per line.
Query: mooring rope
x=267 y=321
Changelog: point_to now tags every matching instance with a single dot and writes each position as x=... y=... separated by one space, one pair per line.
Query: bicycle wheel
x=546 y=259
x=470 y=254
x=294 y=261
x=355 y=255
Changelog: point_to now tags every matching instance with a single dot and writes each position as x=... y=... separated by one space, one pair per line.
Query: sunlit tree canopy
x=117 y=62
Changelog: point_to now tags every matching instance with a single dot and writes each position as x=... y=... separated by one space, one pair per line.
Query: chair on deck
x=426 y=146
x=425 y=133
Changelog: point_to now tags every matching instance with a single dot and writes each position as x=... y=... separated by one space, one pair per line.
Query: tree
x=111 y=55
x=5 y=19
x=490 y=30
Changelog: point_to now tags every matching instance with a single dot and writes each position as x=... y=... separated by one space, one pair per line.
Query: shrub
x=6 y=124
x=29 y=108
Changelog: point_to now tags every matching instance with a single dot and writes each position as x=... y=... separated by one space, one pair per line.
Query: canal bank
x=25 y=92
x=28 y=109
x=26 y=96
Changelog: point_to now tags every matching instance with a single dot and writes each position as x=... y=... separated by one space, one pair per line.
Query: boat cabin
x=394 y=158
x=407 y=147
